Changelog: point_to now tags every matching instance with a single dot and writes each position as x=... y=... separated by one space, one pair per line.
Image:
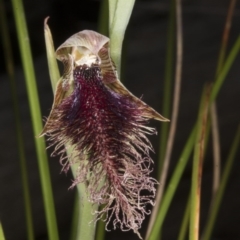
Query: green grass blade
x=198 y=166
x=225 y=69
x=23 y=165
x=172 y=186
x=219 y=195
x=225 y=36
x=174 y=181
x=164 y=131
x=215 y=130
x=27 y=62
x=185 y=222
x=119 y=15
x=2 y=237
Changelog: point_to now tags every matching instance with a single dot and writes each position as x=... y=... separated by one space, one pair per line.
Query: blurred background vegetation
x=144 y=54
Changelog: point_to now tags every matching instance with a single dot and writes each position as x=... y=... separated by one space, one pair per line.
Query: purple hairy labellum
x=105 y=125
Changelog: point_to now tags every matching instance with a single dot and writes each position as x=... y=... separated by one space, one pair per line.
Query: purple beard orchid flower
x=105 y=126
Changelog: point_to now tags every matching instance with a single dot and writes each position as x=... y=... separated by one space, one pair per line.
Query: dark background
x=203 y=23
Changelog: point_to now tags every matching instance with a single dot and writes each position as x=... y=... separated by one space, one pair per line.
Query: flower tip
x=139 y=235
x=44 y=131
x=41 y=134
x=162 y=119
x=45 y=21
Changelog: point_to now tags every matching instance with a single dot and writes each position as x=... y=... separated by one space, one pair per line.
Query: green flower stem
x=27 y=62
x=198 y=166
x=23 y=164
x=119 y=15
x=74 y=225
x=174 y=181
x=220 y=192
x=100 y=230
x=86 y=228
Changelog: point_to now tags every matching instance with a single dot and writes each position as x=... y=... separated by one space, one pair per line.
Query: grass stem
x=33 y=99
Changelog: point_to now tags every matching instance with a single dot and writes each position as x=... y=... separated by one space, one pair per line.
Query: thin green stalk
x=27 y=62
x=225 y=37
x=185 y=222
x=174 y=114
x=225 y=69
x=172 y=186
x=220 y=193
x=215 y=130
x=198 y=166
x=174 y=181
x=82 y=214
x=168 y=77
x=23 y=164
x=216 y=148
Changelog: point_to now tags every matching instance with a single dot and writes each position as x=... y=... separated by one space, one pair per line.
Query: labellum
x=105 y=126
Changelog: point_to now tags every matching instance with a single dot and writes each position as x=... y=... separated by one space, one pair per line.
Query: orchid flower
x=106 y=126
